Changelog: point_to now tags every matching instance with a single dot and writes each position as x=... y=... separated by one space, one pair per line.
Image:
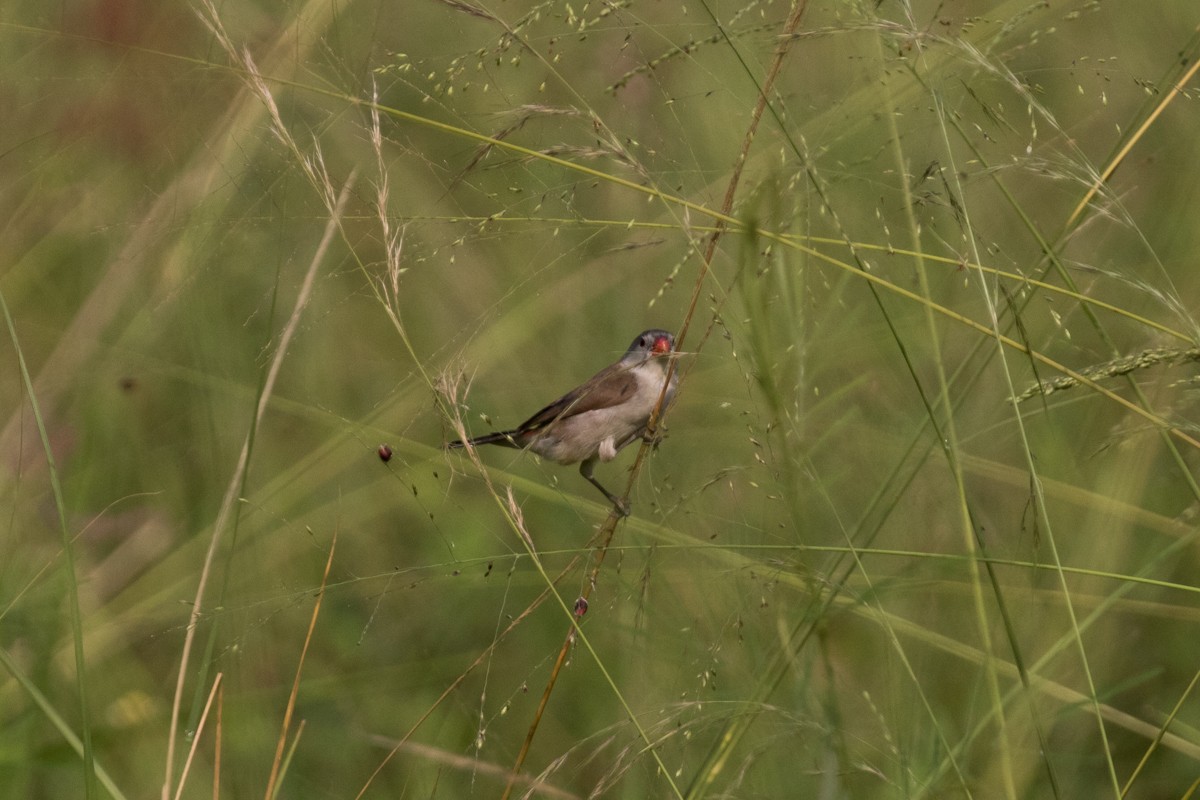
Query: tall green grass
x=923 y=523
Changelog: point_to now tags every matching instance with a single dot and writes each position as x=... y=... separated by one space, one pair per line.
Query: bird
x=594 y=421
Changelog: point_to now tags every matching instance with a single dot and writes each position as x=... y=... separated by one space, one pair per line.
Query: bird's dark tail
x=502 y=438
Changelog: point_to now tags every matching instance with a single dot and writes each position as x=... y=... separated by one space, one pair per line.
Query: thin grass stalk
x=998 y=593
x=56 y=720
x=216 y=788
x=947 y=436
x=74 y=612
x=273 y=779
x=196 y=737
x=291 y=753
x=1133 y=776
x=910 y=671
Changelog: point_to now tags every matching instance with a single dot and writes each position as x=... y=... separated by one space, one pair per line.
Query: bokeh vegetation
x=245 y=244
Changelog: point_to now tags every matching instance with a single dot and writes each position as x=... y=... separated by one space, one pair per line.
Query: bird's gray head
x=654 y=342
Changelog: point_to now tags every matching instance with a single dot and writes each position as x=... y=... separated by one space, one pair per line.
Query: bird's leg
x=585 y=469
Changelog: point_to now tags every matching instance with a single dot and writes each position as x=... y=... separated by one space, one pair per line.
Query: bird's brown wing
x=605 y=389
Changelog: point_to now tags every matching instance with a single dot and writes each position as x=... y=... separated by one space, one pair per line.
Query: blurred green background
x=855 y=567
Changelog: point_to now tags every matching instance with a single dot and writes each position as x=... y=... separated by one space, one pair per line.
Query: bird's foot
x=654 y=437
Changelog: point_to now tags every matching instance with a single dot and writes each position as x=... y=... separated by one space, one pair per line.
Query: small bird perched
x=594 y=421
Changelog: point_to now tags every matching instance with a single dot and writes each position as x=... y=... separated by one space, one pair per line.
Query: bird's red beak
x=661 y=345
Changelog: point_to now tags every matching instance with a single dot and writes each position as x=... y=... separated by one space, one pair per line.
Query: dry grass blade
x=457 y=761
x=213 y=694
x=1119 y=158
x=555 y=671
x=291 y=703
